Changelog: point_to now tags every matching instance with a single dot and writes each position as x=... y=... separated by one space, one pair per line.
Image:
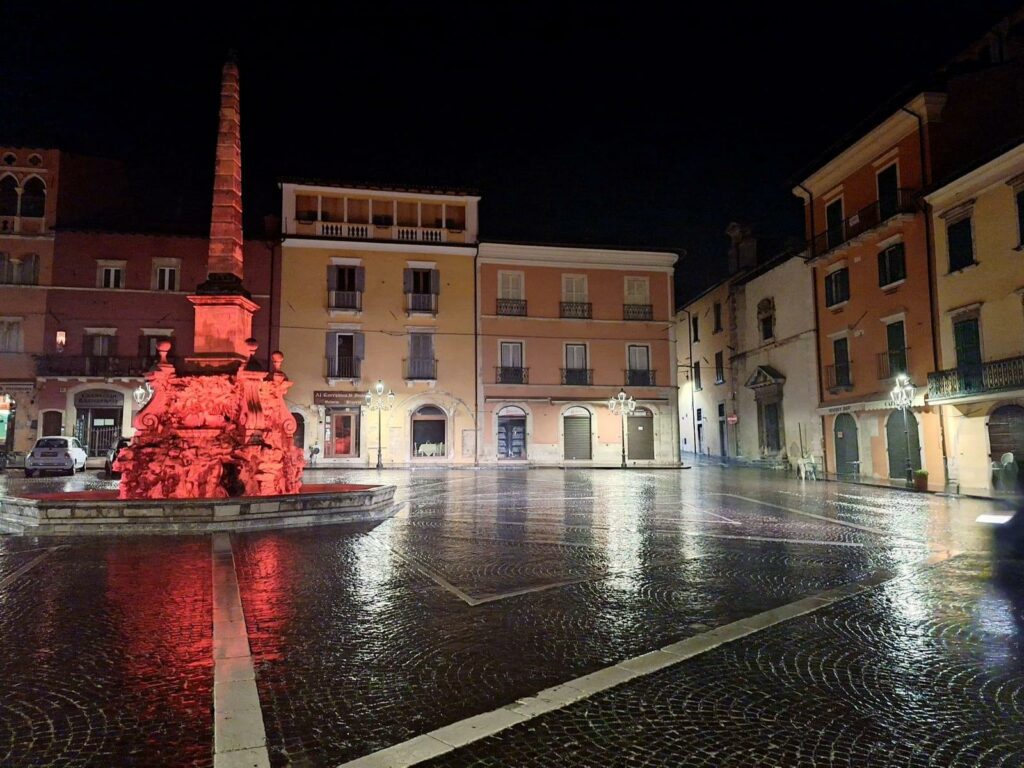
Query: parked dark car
x=112 y=452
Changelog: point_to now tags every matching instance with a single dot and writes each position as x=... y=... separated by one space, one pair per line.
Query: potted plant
x=921 y=480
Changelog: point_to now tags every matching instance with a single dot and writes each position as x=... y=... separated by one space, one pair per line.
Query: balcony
x=864 y=220
x=504 y=374
x=93 y=365
x=639 y=378
x=425 y=303
x=982 y=378
x=514 y=307
x=839 y=376
x=892 y=363
x=578 y=376
x=637 y=312
x=351 y=300
x=421 y=234
x=575 y=310
x=308 y=224
x=343 y=367
x=421 y=369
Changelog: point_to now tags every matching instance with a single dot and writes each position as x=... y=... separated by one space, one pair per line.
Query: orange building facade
x=561 y=330
x=869 y=248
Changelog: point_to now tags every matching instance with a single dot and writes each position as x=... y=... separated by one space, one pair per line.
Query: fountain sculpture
x=216 y=426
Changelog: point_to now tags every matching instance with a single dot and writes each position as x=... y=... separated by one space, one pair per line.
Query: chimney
x=742 y=248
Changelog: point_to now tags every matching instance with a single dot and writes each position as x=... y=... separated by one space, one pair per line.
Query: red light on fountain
x=219 y=426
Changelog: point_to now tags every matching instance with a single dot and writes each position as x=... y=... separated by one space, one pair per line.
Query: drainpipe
x=689 y=337
x=817 y=334
x=932 y=297
x=476 y=356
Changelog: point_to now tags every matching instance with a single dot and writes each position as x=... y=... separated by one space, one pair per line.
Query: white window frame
x=522 y=352
x=12 y=334
x=164 y=263
x=503 y=273
x=647 y=347
x=586 y=289
x=637 y=280
x=885 y=166
x=102 y=265
x=586 y=355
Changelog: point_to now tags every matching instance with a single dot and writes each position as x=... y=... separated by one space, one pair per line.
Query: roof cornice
x=553 y=255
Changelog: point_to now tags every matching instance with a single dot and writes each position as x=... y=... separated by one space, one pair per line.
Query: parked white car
x=56 y=454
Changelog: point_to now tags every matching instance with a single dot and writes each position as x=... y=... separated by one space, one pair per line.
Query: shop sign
x=99 y=398
x=327 y=397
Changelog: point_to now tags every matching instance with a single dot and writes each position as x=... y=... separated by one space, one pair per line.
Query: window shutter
x=332 y=278
x=112 y=346
x=407 y=280
x=883 y=271
x=360 y=279
x=435 y=282
x=332 y=344
x=143 y=346
x=358 y=345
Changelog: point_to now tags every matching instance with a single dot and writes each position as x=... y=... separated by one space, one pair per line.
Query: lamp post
x=623 y=405
x=377 y=401
x=903 y=398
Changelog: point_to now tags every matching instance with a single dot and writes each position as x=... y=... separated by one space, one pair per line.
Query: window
x=766 y=318
x=10 y=334
x=834 y=223
x=148 y=342
x=695 y=323
x=110 y=274
x=422 y=364
x=892 y=266
x=719 y=368
x=696 y=378
x=837 y=287
x=511 y=370
x=896 y=350
x=1020 y=217
x=888 y=192
x=574 y=288
x=510 y=285
x=98 y=345
x=841 y=355
x=639 y=356
x=166 y=279
x=33 y=198
x=345 y=351
x=8 y=196
x=422 y=285
x=345 y=286
x=10 y=159
x=961 y=244
x=717 y=309
x=23 y=270
x=575 y=371
x=638 y=290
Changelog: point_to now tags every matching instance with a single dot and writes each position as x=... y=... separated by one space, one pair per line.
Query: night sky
x=621 y=127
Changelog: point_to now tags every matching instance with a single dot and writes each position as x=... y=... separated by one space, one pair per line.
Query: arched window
x=429 y=427
x=8 y=196
x=766 y=318
x=299 y=437
x=33 y=198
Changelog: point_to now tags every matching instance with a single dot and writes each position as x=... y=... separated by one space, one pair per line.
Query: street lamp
x=623 y=405
x=377 y=401
x=903 y=397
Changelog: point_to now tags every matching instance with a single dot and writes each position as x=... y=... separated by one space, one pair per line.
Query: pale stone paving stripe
x=856 y=526
x=15 y=575
x=450 y=737
x=239 y=737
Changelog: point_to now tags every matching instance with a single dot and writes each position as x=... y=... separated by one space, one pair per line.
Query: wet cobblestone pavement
x=494 y=585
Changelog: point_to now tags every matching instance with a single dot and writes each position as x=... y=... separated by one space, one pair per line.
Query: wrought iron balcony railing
x=864 y=220
x=892 y=363
x=639 y=378
x=637 y=312
x=578 y=376
x=575 y=310
x=839 y=376
x=421 y=369
x=345 y=300
x=515 y=307
x=93 y=365
x=422 y=302
x=980 y=378
x=343 y=367
x=504 y=374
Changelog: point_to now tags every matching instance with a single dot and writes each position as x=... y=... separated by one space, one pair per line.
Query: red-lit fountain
x=213 y=448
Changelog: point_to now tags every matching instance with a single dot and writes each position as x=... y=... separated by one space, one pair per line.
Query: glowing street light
x=377 y=401
x=623 y=405
x=903 y=397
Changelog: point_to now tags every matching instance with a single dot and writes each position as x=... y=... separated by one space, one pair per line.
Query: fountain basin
x=86 y=512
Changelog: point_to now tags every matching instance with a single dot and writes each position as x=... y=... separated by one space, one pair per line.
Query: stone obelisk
x=223 y=307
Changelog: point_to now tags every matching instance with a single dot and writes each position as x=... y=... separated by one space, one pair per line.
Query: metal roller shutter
x=640 y=438
x=577 y=437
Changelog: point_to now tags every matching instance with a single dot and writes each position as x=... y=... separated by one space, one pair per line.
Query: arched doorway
x=640 y=435
x=576 y=432
x=1006 y=432
x=299 y=438
x=847 y=452
x=429 y=432
x=53 y=422
x=896 y=442
x=511 y=437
